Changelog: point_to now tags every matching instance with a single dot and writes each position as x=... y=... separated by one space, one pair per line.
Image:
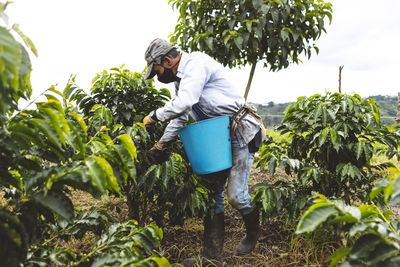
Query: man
x=204 y=91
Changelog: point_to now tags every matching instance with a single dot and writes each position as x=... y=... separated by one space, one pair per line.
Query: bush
x=333 y=140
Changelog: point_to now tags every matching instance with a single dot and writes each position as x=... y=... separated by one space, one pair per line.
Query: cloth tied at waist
x=241 y=113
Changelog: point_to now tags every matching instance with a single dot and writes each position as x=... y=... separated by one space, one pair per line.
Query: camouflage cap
x=154 y=54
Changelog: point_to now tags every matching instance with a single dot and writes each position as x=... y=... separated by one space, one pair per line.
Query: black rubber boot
x=252 y=224
x=214 y=230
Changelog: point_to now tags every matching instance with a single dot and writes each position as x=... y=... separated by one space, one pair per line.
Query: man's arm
x=171 y=131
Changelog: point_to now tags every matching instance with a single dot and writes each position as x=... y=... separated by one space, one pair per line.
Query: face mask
x=167 y=76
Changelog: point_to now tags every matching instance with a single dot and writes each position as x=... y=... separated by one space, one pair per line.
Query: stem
x=90 y=254
x=385 y=220
x=253 y=68
x=30 y=103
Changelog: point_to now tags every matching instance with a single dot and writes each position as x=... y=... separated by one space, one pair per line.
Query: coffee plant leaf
x=372 y=248
x=97 y=174
x=112 y=182
x=128 y=144
x=9 y=59
x=338 y=256
x=62 y=256
x=56 y=202
x=314 y=216
x=239 y=33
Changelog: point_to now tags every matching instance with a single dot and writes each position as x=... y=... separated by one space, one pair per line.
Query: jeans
x=237 y=176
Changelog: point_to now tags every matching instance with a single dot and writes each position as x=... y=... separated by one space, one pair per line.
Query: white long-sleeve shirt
x=203 y=82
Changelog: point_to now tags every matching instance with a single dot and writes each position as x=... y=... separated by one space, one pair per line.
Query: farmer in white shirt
x=204 y=91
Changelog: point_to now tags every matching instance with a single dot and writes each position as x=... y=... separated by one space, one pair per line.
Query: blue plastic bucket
x=208 y=145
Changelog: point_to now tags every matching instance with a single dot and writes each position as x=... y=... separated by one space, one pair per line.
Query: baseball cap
x=154 y=54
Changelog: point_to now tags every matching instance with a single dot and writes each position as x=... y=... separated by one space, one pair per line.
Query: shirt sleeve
x=171 y=131
x=191 y=86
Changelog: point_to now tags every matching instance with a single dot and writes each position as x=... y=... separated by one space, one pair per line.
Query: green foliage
x=237 y=32
x=272 y=113
x=373 y=238
x=175 y=191
x=15 y=68
x=123 y=245
x=127 y=95
x=44 y=153
x=117 y=244
x=279 y=196
x=333 y=140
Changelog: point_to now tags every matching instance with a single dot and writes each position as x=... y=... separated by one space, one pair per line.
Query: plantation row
x=95 y=142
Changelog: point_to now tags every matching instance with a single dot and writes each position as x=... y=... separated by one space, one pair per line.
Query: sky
x=85 y=37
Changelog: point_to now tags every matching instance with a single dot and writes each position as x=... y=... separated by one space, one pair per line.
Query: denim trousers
x=237 y=178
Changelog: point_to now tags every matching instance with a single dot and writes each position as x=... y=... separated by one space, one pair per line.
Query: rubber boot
x=214 y=230
x=251 y=222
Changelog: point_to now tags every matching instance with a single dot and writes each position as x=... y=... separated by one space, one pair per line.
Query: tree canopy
x=240 y=32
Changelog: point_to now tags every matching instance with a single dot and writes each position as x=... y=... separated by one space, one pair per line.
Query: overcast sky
x=84 y=37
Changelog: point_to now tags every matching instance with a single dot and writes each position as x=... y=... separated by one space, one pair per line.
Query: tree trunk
x=253 y=68
x=340 y=79
x=133 y=206
x=398 y=110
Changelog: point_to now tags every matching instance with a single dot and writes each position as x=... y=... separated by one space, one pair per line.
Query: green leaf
x=322 y=138
x=338 y=256
x=107 y=169
x=28 y=42
x=368 y=210
x=359 y=149
x=239 y=42
x=126 y=161
x=128 y=144
x=10 y=56
x=231 y=23
x=161 y=262
x=358 y=228
x=97 y=174
x=57 y=202
x=54 y=90
x=62 y=256
x=334 y=139
x=210 y=42
x=284 y=34
x=371 y=247
x=48 y=131
x=55 y=121
x=80 y=121
x=249 y=25
x=272 y=165
x=257 y=4
x=314 y=216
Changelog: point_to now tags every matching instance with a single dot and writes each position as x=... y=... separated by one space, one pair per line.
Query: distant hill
x=272 y=113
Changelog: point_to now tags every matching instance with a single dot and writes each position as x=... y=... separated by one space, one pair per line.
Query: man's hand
x=149 y=121
x=156 y=154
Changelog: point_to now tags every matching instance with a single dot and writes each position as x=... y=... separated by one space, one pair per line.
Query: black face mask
x=167 y=76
